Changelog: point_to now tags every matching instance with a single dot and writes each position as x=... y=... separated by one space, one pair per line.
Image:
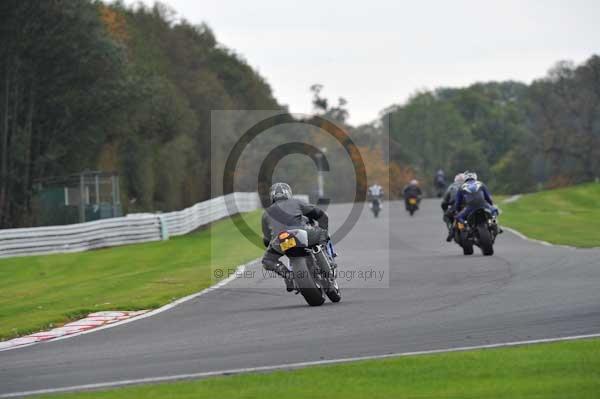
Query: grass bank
x=39 y=292
x=558 y=370
x=569 y=216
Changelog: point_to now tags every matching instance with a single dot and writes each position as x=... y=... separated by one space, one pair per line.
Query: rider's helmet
x=470 y=176
x=459 y=178
x=414 y=182
x=280 y=191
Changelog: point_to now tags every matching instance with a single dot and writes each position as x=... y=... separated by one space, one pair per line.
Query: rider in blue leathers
x=473 y=195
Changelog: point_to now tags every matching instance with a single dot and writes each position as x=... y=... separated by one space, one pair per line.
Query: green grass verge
x=569 y=216
x=558 y=370
x=39 y=292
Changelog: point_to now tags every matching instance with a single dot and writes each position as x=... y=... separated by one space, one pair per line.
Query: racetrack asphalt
x=430 y=297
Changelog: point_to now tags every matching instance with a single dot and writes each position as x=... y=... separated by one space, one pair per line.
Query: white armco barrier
x=130 y=229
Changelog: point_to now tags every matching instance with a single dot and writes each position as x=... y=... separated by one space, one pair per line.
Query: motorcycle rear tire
x=466 y=244
x=485 y=240
x=310 y=289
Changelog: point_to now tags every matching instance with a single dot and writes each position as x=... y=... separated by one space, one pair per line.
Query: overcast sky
x=377 y=53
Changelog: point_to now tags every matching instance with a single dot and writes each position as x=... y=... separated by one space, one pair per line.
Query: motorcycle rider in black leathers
x=285 y=213
x=411 y=190
x=439 y=181
x=448 y=201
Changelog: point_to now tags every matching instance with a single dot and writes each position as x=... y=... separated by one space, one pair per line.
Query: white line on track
x=290 y=366
x=545 y=243
x=524 y=237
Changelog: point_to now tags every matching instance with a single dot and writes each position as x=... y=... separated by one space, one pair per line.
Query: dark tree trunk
x=4 y=149
x=28 y=159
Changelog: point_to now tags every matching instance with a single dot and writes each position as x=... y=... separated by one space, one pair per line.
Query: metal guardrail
x=133 y=228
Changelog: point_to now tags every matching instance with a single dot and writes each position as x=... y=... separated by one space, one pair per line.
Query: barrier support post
x=164 y=228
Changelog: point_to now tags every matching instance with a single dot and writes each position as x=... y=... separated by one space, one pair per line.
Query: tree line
x=86 y=85
x=518 y=137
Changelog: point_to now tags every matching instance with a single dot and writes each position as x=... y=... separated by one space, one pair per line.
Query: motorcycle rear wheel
x=485 y=240
x=310 y=289
x=466 y=244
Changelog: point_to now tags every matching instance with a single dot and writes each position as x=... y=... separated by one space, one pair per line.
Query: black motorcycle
x=439 y=191
x=440 y=187
x=313 y=270
x=375 y=206
x=412 y=205
x=480 y=229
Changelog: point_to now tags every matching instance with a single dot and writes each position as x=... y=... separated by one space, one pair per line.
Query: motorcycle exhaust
x=322 y=261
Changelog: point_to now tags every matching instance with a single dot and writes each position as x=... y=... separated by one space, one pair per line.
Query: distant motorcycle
x=440 y=190
x=440 y=187
x=313 y=270
x=412 y=205
x=375 y=206
x=480 y=229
